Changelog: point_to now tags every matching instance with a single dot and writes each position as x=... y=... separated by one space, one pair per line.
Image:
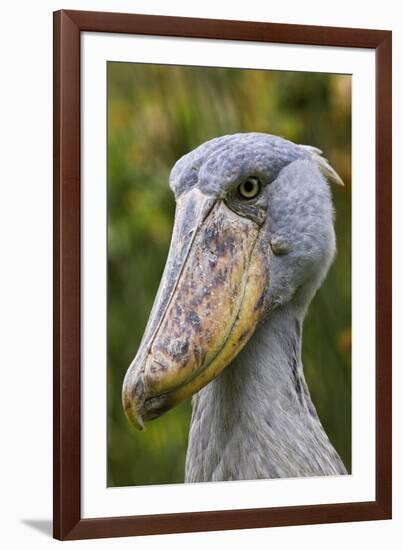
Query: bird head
x=253 y=231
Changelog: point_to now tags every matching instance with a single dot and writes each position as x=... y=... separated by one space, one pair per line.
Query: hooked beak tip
x=134 y=417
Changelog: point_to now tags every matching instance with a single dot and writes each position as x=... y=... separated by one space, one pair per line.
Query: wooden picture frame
x=68 y=26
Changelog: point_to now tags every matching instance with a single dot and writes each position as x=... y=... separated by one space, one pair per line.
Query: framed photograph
x=222 y=235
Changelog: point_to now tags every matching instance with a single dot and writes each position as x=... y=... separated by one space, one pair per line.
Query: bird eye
x=249 y=188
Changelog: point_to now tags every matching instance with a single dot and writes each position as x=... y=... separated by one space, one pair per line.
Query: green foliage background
x=155 y=115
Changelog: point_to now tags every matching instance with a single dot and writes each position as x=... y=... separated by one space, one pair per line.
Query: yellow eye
x=249 y=188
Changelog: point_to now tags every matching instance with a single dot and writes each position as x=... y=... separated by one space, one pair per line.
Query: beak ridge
x=191 y=210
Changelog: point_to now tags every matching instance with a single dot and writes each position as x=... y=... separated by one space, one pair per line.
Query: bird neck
x=257 y=419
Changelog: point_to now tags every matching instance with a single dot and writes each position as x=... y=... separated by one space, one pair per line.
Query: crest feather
x=323 y=164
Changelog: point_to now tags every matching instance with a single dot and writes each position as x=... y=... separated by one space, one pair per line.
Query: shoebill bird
x=253 y=239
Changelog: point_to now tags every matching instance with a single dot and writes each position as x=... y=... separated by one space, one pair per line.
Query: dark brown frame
x=68 y=26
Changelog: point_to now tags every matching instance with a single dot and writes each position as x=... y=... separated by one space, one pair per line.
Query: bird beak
x=211 y=297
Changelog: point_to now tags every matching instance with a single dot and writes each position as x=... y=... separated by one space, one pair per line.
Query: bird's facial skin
x=250 y=225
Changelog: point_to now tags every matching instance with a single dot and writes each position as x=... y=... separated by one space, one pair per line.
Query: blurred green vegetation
x=155 y=115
